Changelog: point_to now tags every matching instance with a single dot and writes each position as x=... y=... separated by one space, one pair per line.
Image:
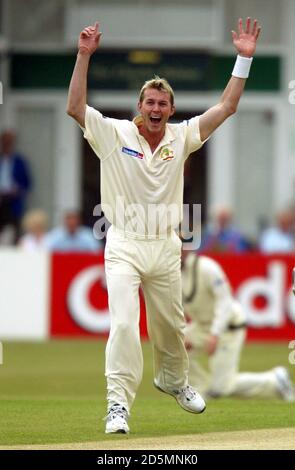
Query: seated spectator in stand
x=15 y=182
x=72 y=236
x=35 y=225
x=222 y=236
x=280 y=238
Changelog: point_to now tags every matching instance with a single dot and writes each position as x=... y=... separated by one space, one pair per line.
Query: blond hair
x=35 y=219
x=159 y=84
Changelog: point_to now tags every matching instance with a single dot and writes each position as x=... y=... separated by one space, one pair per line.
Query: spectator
x=222 y=235
x=15 y=182
x=72 y=236
x=35 y=225
x=280 y=238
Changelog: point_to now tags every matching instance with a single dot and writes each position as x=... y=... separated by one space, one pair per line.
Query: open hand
x=89 y=39
x=245 y=41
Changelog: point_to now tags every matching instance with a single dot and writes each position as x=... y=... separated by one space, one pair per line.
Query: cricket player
x=142 y=165
x=217 y=328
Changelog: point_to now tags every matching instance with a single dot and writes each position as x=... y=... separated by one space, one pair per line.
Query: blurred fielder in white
x=218 y=329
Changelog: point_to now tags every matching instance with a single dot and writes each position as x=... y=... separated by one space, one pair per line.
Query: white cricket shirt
x=207 y=295
x=141 y=191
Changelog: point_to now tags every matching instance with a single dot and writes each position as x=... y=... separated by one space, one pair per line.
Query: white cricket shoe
x=116 y=420
x=285 y=386
x=187 y=397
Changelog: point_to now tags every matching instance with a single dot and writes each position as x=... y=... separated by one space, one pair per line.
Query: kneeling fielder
x=218 y=327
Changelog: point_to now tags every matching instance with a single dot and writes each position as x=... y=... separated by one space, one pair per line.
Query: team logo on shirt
x=132 y=153
x=166 y=154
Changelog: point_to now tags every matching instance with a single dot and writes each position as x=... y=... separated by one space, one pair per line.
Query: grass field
x=55 y=393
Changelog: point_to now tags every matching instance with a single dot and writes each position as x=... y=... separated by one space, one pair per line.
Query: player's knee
x=222 y=389
x=125 y=329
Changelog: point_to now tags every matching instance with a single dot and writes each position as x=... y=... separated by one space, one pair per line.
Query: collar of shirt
x=168 y=137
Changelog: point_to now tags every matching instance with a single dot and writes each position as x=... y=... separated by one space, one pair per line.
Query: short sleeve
x=100 y=132
x=193 y=139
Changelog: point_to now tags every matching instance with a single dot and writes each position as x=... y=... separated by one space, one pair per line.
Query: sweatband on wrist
x=242 y=67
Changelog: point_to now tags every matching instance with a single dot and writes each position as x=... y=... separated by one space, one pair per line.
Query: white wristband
x=242 y=67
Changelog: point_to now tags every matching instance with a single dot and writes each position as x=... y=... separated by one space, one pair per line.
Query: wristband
x=242 y=67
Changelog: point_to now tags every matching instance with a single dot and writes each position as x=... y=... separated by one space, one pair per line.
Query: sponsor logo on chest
x=132 y=153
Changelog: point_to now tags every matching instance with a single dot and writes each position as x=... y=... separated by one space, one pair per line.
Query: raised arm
x=87 y=45
x=245 y=43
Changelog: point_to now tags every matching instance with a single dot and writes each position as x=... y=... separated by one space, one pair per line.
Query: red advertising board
x=78 y=297
x=263 y=286
x=79 y=303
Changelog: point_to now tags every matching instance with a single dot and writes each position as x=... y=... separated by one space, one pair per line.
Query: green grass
x=55 y=392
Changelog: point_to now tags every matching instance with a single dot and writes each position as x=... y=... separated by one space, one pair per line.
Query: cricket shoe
x=285 y=386
x=187 y=397
x=116 y=420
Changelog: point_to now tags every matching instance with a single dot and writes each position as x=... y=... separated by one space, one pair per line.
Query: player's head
x=185 y=254
x=160 y=84
x=156 y=105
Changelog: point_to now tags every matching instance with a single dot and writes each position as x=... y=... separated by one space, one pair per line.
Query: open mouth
x=155 y=120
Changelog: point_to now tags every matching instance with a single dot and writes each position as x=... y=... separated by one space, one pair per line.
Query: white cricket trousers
x=224 y=378
x=155 y=266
